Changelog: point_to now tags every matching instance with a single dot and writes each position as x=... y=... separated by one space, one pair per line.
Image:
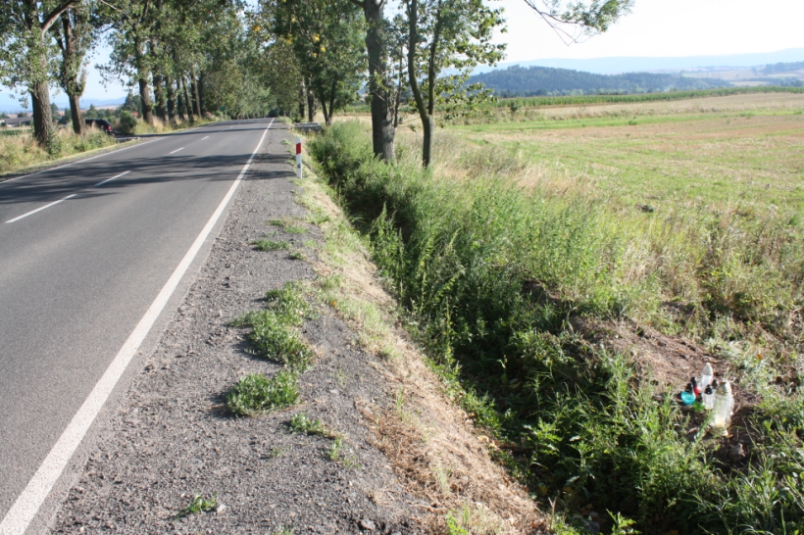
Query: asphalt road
x=84 y=251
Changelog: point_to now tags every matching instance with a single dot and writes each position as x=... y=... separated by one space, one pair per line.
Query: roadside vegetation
x=21 y=151
x=535 y=288
x=275 y=336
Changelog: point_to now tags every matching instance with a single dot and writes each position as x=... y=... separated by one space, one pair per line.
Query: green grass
x=301 y=423
x=274 y=332
x=289 y=225
x=669 y=160
x=255 y=394
x=269 y=245
x=335 y=451
x=200 y=504
x=19 y=152
x=639 y=97
x=297 y=255
x=490 y=270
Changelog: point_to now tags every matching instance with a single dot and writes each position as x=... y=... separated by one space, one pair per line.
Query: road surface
x=84 y=252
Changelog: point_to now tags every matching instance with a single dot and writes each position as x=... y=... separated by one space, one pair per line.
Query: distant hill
x=8 y=104
x=521 y=81
x=784 y=67
x=617 y=65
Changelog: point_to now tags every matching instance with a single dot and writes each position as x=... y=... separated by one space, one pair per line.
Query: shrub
x=128 y=123
x=254 y=394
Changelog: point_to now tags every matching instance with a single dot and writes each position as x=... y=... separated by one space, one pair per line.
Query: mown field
x=570 y=270
x=744 y=149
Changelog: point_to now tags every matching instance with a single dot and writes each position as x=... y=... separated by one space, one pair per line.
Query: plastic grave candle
x=706 y=376
x=724 y=405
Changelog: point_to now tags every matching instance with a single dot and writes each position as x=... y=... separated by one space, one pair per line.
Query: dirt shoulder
x=172 y=437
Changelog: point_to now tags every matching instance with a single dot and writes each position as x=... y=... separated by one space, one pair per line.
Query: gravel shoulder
x=172 y=438
x=412 y=460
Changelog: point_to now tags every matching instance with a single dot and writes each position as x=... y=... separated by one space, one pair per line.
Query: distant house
x=18 y=121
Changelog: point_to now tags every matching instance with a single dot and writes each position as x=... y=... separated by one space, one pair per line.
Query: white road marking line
x=42 y=208
x=110 y=179
x=203 y=138
x=177 y=150
x=24 y=510
x=75 y=163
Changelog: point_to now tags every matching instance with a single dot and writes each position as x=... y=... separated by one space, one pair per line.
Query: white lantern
x=706 y=376
x=724 y=405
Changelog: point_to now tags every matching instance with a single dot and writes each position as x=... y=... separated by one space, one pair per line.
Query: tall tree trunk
x=398 y=93
x=42 y=120
x=196 y=100
x=380 y=88
x=145 y=98
x=75 y=114
x=71 y=77
x=425 y=111
x=201 y=99
x=187 y=102
x=322 y=98
x=413 y=39
x=159 y=94
x=302 y=95
x=171 y=98
x=328 y=120
x=311 y=108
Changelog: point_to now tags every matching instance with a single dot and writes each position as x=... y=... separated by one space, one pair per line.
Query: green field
x=732 y=159
x=569 y=269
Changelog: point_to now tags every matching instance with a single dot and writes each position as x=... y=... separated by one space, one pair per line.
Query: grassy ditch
x=496 y=278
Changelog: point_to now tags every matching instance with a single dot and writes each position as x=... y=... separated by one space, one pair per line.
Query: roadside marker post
x=298 y=157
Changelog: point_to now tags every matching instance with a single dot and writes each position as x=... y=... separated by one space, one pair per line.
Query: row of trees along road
x=409 y=52
x=194 y=56
x=184 y=56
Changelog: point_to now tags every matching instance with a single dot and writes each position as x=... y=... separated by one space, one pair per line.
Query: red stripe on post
x=298 y=148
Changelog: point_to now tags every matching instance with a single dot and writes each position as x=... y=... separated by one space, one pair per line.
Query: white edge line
x=76 y=162
x=177 y=150
x=32 y=212
x=27 y=505
x=203 y=138
x=110 y=179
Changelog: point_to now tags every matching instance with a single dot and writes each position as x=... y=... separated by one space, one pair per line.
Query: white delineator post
x=298 y=157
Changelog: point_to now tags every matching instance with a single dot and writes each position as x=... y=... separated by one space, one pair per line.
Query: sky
x=665 y=28
x=655 y=28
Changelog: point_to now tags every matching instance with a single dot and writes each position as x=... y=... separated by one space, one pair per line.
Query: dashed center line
x=177 y=150
x=110 y=179
x=203 y=138
x=42 y=208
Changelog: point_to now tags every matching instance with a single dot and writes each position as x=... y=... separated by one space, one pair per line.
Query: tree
x=74 y=36
x=573 y=20
x=26 y=52
x=326 y=40
x=381 y=84
x=446 y=34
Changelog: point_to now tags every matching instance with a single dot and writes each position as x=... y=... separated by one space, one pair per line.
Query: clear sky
x=666 y=28
x=655 y=28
